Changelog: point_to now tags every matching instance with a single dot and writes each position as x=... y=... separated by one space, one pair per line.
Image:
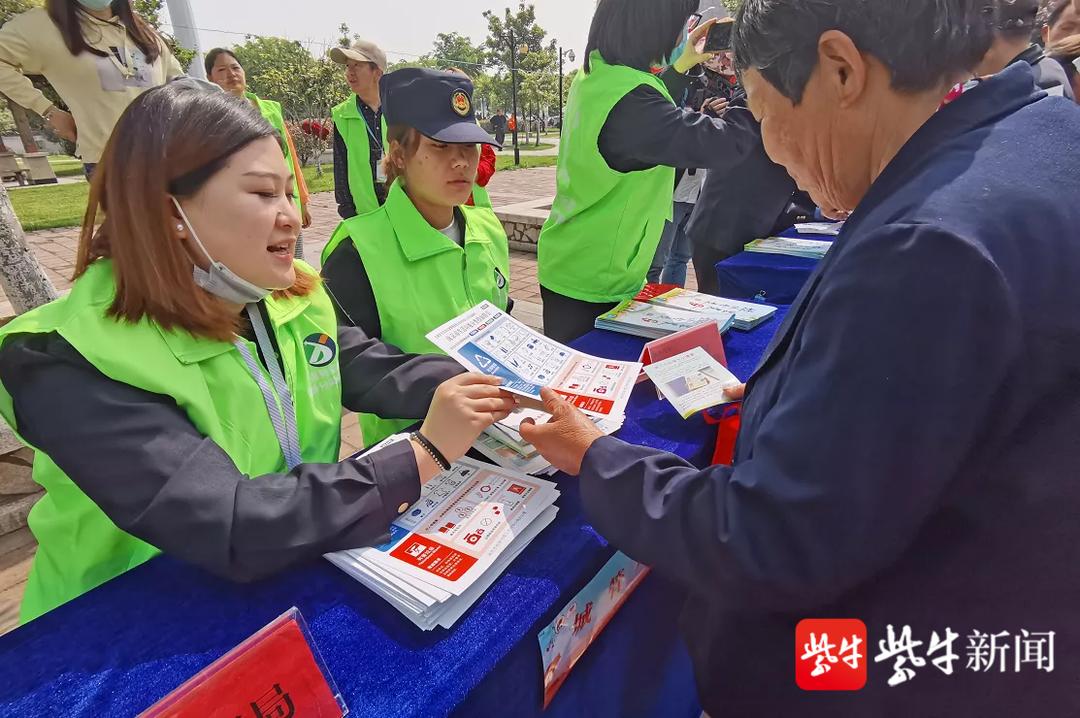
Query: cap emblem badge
x=461 y=103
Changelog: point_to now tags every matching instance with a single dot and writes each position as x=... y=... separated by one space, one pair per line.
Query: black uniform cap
x=437 y=104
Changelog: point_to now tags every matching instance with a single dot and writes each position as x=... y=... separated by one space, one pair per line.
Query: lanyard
x=279 y=407
x=371 y=133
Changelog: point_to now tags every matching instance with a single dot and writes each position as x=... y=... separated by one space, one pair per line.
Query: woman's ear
x=177 y=226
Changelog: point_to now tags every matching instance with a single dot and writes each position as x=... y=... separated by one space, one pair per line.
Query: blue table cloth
x=119 y=648
x=774 y=278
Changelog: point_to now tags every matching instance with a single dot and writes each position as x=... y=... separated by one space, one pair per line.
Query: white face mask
x=221 y=281
x=95 y=4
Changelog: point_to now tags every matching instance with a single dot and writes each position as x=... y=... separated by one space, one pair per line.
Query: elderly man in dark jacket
x=909 y=451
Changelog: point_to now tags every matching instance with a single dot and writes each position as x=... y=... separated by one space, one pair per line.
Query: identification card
x=380 y=171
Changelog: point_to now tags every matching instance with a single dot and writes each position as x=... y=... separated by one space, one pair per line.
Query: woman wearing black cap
x=424 y=257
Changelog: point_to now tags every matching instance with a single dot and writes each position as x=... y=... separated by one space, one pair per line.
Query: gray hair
x=921 y=42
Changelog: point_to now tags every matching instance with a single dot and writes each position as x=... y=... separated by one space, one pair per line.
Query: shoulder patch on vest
x=320 y=350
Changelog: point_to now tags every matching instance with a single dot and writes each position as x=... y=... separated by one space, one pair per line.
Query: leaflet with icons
x=449 y=546
x=692 y=381
x=488 y=340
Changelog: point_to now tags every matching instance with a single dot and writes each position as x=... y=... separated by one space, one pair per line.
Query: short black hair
x=637 y=33
x=921 y=43
x=1014 y=19
x=212 y=56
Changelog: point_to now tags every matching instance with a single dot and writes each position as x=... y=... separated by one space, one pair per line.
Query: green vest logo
x=320 y=350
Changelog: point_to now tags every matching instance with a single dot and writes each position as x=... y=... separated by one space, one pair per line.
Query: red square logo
x=830 y=654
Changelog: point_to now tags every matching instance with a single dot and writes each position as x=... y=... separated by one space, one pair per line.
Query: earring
x=179 y=228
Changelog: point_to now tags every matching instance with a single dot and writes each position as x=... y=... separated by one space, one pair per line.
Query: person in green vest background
x=623 y=139
x=424 y=257
x=186 y=396
x=225 y=71
x=359 y=131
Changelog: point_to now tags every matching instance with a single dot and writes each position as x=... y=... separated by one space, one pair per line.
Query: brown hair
x=67 y=16
x=408 y=139
x=170 y=141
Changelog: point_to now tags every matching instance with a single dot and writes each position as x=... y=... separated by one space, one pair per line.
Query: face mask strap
x=191 y=229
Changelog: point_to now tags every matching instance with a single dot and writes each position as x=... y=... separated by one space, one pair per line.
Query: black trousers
x=566 y=319
x=705 y=259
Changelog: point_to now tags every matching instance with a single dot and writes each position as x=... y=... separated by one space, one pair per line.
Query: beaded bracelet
x=431 y=450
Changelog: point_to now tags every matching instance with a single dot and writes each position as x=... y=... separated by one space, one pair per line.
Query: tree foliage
x=151 y=12
x=284 y=70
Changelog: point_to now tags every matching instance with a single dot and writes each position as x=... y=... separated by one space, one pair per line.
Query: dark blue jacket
x=910 y=445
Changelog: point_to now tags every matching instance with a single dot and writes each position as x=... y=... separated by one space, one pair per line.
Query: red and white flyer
x=463 y=522
x=490 y=341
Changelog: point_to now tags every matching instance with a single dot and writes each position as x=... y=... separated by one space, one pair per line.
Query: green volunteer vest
x=600 y=238
x=480 y=197
x=79 y=547
x=272 y=112
x=421 y=279
x=354 y=130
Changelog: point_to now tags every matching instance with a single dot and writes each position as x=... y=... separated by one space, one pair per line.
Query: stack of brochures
x=809 y=248
x=656 y=321
x=448 y=548
x=828 y=228
x=747 y=314
x=502 y=442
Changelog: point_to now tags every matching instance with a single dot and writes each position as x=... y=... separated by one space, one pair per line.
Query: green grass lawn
x=505 y=163
x=64 y=205
x=524 y=146
x=66 y=166
x=320 y=184
x=48 y=206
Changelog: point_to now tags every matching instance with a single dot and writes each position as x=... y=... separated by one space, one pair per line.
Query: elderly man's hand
x=566 y=436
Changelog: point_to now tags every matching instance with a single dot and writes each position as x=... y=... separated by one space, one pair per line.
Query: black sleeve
x=346 y=280
x=677 y=83
x=141 y=460
x=645 y=130
x=342 y=192
x=379 y=378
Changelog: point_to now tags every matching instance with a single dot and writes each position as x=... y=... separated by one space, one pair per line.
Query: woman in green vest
x=424 y=257
x=224 y=70
x=623 y=138
x=186 y=396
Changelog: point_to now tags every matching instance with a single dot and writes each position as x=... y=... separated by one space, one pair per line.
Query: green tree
x=307 y=88
x=151 y=12
x=536 y=60
x=455 y=50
